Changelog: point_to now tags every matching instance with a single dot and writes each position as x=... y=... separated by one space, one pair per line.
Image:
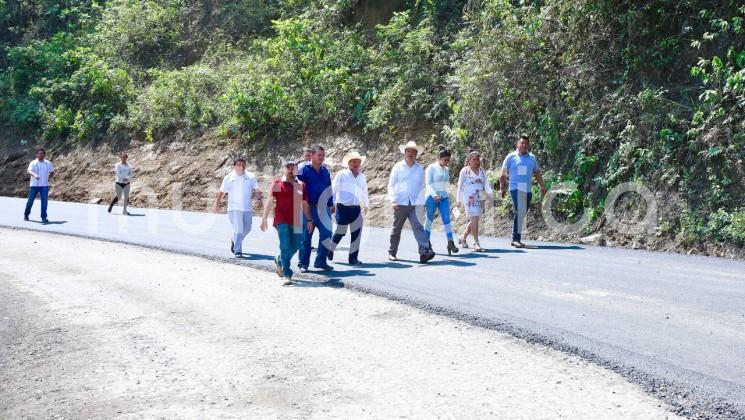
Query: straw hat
x=352 y=155
x=411 y=145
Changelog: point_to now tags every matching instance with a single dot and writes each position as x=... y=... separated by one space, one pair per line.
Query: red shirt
x=288 y=202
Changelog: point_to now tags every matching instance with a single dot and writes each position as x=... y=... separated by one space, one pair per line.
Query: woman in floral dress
x=473 y=187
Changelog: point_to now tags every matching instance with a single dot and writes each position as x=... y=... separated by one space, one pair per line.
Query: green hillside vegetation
x=610 y=91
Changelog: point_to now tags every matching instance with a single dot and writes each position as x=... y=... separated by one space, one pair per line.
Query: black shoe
x=25 y=218
x=452 y=248
x=232 y=246
x=44 y=221
x=428 y=255
x=324 y=267
x=330 y=255
x=358 y=262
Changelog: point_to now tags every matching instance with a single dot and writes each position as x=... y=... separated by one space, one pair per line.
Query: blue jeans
x=432 y=206
x=32 y=191
x=521 y=201
x=346 y=216
x=324 y=233
x=289 y=243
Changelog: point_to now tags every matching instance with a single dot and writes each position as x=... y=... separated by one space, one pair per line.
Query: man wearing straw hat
x=350 y=196
x=406 y=193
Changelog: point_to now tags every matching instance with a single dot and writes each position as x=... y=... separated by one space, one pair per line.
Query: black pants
x=346 y=216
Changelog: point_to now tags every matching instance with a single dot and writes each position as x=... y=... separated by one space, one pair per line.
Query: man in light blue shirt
x=520 y=166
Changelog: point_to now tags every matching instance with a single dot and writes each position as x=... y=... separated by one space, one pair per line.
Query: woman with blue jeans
x=437 y=177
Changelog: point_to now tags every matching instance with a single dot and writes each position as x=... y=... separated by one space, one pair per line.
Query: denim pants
x=290 y=240
x=431 y=207
x=521 y=201
x=32 y=191
x=346 y=216
x=322 y=222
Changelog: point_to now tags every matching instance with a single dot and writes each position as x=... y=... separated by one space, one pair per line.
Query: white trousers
x=241 y=221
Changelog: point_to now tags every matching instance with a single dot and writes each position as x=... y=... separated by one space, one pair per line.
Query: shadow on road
x=482 y=254
x=385 y=265
x=51 y=222
x=256 y=257
x=552 y=247
x=344 y=273
x=333 y=283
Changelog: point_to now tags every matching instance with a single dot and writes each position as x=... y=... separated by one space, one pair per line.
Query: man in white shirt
x=350 y=196
x=240 y=186
x=41 y=170
x=406 y=194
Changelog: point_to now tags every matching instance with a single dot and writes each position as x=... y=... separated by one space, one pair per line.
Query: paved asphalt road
x=673 y=323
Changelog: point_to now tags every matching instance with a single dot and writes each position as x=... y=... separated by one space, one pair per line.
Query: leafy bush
x=82 y=104
x=186 y=98
x=408 y=71
x=143 y=34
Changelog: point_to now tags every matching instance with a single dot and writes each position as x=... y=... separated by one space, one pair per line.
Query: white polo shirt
x=43 y=169
x=239 y=189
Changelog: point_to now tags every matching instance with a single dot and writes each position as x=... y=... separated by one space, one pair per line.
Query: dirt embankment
x=186 y=174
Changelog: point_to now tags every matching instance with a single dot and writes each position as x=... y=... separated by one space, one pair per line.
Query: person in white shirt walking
x=406 y=194
x=240 y=186
x=437 y=178
x=41 y=170
x=121 y=185
x=473 y=187
x=350 y=197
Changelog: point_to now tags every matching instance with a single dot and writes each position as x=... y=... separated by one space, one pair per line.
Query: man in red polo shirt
x=288 y=197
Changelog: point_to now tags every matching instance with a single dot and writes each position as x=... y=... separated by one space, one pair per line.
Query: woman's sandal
x=463 y=242
x=477 y=247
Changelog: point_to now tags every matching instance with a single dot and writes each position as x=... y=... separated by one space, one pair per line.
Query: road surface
x=177 y=336
x=673 y=323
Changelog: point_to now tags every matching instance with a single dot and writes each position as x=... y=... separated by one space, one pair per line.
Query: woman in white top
x=121 y=185
x=437 y=178
x=473 y=187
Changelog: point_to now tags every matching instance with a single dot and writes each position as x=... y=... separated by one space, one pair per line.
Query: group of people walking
x=305 y=199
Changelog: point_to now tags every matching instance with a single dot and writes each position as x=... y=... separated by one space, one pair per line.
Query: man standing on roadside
x=350 y=196
x=41 y=170
x=520 y=166
x=317 y=180
x=240 y=186
x=288 y=197
x=406 y=193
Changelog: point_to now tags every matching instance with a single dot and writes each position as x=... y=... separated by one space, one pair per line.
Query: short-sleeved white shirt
x=240 y=189
x=43 y=169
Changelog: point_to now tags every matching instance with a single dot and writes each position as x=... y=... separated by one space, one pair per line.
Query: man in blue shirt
x=317 y=180
x=520 y=166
